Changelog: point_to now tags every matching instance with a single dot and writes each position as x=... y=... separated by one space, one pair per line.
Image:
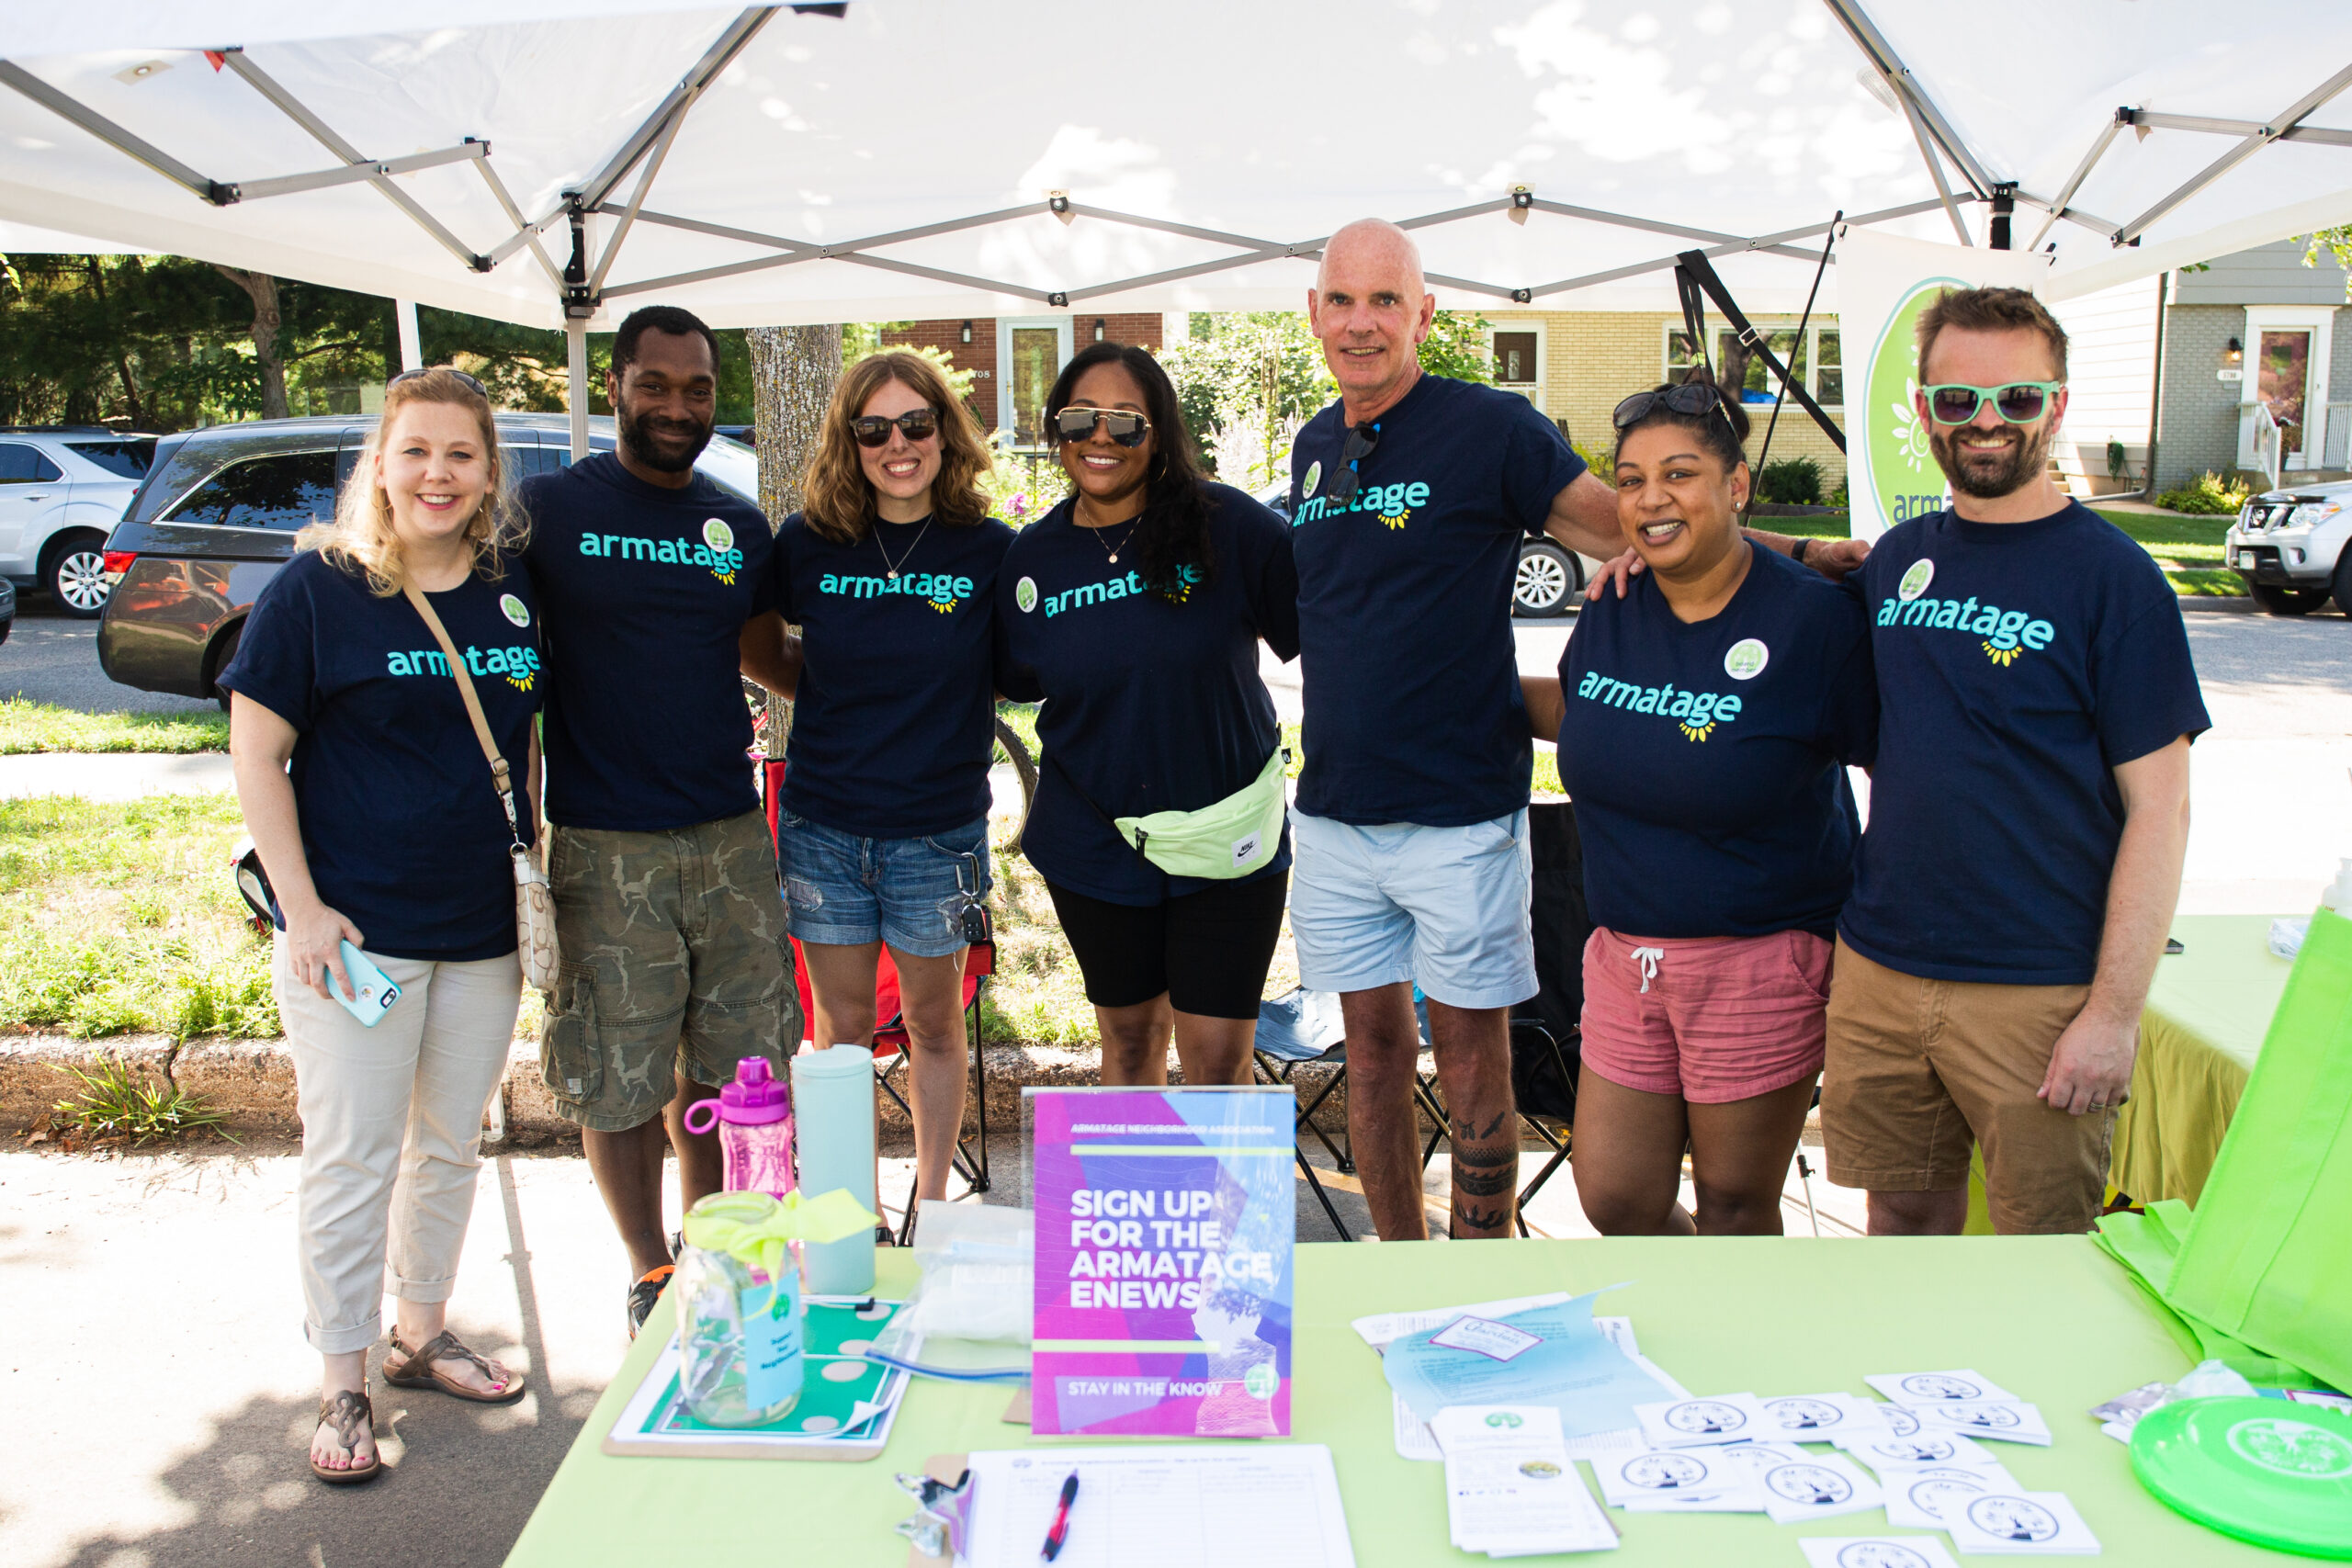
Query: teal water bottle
x=832 y=1096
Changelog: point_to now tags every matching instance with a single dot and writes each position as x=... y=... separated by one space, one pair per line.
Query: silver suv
x=61 y=489
x=2289 y=545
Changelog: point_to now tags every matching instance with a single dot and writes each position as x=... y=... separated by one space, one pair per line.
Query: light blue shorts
x=844 y=890
x=1445 y=908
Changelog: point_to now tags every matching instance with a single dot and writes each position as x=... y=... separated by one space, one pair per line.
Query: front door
x=1030 y=355
x=2282 y=384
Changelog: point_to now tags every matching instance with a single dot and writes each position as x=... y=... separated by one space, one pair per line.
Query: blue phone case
x=377 y=992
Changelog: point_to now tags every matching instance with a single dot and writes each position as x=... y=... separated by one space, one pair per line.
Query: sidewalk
x=113 y=775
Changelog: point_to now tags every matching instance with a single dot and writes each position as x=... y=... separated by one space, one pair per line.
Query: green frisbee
x=2267 y=1470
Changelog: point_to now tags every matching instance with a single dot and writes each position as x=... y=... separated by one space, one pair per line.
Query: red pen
x=1058 y=1531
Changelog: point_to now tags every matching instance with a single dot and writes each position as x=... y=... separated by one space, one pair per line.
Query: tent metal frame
x=583 y=287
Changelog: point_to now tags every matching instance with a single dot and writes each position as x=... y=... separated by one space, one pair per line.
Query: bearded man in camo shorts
x=654 y=591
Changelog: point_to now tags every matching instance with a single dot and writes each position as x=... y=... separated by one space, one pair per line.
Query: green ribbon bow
x=757 y=1230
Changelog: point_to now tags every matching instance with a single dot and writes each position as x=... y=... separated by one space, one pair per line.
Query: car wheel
x=220 y=659
x=76 y=575
x=1547 y=581
x=2342 y=583
x=2288 y=601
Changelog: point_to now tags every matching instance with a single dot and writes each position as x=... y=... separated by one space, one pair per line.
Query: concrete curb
x=251 y=1082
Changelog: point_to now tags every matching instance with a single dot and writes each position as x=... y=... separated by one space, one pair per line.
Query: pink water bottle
x=754 y=1115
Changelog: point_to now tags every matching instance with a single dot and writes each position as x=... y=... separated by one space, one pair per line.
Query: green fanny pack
x=1231 y=839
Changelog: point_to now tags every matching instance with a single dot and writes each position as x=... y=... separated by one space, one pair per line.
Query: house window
x=1815 y=362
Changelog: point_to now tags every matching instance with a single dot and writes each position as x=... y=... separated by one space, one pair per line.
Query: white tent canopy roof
x=810 y=168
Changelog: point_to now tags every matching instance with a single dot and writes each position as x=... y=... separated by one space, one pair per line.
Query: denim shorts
x=844 y=890
x=1445 y=908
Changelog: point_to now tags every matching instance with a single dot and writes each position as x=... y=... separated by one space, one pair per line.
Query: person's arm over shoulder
x=1850 y=699
x=1015 y=682
x=1269 y=571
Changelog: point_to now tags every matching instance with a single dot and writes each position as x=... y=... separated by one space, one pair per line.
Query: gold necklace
x=891 y=566
x=1098 y=532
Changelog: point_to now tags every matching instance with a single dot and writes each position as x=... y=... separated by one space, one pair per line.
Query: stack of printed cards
x=1922 y=1498
x=1964 y=1401
x=1702 y=1423
x=1889 y=1450
x=1510 y=1488
x=2025 y=1523
x=1823 y=1418
x=1815 y=1487
x=1877 y=1551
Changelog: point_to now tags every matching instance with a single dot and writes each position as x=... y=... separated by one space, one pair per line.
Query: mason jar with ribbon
x=737 y=1290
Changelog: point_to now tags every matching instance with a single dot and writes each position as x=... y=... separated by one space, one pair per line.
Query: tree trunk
x=793 y=372
x=263 y=289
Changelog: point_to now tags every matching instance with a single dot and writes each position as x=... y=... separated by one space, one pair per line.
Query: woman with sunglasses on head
x=889 y=570
x=1705 y=721
x=388 y=839
x=1134 y=611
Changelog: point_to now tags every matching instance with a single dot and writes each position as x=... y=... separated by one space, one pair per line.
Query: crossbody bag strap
x=499 y=772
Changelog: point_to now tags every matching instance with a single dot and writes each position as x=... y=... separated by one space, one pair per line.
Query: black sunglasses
x=1362 y=440
x=1078 y=422
x=474 y=386
x=873 y=430
x=1687 y=398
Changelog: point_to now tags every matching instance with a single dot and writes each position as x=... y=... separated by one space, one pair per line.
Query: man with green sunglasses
x=2028 y=810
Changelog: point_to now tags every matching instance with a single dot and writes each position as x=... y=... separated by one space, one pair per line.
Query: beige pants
x=391 y=1134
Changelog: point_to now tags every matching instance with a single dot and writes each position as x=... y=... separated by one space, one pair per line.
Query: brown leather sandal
x=350 y=1414
x=418 y=1370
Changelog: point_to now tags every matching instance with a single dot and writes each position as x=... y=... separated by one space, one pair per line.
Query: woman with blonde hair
x=889 y=570
x=386 y=844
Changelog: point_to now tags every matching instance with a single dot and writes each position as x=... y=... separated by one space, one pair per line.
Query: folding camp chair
x=970 y=1160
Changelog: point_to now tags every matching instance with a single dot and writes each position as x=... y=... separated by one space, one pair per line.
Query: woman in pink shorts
x=1704 y=721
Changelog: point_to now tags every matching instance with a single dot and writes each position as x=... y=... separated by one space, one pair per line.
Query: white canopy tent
x=560 y=162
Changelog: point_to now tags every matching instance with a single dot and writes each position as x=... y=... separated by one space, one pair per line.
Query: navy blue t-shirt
x=646 y=593
x=2019 y=665
x=1413 y=712
x=1707 y=760
x=1151 y=704
x=892 y=728
x=400 y=821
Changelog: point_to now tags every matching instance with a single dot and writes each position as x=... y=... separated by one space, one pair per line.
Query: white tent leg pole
x=412 y=339
x=575 y=342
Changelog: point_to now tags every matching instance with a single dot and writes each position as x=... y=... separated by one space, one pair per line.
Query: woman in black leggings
x=1134 y=611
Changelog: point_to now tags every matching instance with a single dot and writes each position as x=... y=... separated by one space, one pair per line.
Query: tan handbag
x=534 y=899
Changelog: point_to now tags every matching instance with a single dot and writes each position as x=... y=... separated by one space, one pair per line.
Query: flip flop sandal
x=421 y=1370
x=350 y=1414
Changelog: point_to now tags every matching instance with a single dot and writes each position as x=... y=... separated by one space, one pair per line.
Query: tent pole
x=412 y=340
x=1906 y=86
x=2075 y=182
x=108 y=131
x=1943 y=187
x=575 y=344
x=2263 y=137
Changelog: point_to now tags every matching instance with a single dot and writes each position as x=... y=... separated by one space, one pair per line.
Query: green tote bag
x=2267 y=1258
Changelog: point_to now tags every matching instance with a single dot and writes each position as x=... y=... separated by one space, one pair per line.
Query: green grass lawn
x=2187 y=548
x=44 y=726
x=121 y=918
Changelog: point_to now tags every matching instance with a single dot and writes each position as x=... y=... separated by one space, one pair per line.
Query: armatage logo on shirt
x=716 y=552
x=943 y=593
x=1392 y=504
x=1695 y=713
x=1127 y=587
x=519 y=665
x=2005 y=634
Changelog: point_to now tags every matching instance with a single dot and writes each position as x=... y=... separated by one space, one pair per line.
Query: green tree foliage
x=1247 y=380
x=2336 y=242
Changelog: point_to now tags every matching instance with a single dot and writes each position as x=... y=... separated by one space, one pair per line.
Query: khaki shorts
x=674 y=963
x=1918 y=1069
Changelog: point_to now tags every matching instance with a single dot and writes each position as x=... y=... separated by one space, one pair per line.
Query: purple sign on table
x=1165 y=1222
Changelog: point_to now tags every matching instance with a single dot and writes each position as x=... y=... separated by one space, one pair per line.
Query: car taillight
x=118 y=561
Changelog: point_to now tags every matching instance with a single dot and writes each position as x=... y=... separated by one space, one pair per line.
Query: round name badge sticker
x=1505 y=1418
x=515 y=609
x=1662 y=1473
x=1024 y=593
x=1915 y=582
x=1879 y=1554
x=1706 y=1415
x=1314 y=479
x=1746 y=659
x=2013 y=1519
x=1814 y=1484
x=1798 y=1414
x=717 y=534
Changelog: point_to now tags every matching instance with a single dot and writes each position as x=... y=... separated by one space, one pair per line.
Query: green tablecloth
x=2049 y=1317
x=2207 y=1013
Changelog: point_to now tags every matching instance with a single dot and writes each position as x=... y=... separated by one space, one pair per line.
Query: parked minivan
x=217 y=515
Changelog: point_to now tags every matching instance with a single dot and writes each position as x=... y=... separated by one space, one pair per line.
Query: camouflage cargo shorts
x=672 y=964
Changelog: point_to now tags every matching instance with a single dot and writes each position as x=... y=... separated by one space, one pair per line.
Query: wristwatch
x=1797 y=550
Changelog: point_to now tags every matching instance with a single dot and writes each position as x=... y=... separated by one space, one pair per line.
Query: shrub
x=2210 y=496
x=1791 y=481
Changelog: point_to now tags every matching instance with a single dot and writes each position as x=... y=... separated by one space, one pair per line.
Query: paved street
x=49 y=659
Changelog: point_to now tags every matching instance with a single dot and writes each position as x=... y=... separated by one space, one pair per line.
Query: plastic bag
x=968 y=1318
